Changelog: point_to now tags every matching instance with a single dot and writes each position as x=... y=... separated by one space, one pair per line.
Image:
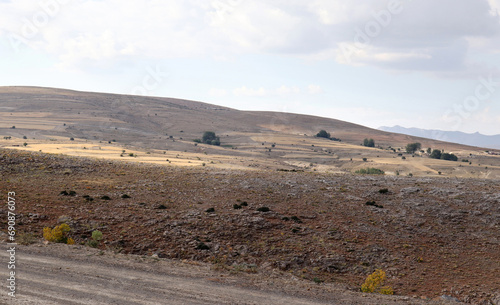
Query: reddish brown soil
x=432 y=236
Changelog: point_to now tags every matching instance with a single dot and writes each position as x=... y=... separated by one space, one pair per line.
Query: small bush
x=263 y=209
x=25 y=238
x=372 y=203
x=237 y=206
x=202 y=246
x=210 y=210
x=58 y=234
x=95 y=239
x=244 y=204
x=383 y=191
x=125 y=196
x=105 y=197
x=317 y=280
x=365 y=159
x=296 y=219
x=161 y=207
x=374 y=282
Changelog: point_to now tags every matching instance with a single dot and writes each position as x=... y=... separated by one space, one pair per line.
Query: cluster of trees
x=369 y=143
x=210 y=138
x=437 y=154
x=324 y=134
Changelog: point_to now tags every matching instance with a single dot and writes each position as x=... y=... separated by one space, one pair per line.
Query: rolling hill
x=159 y=130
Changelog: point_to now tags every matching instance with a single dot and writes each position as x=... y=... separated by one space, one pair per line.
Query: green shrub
x=95 y=239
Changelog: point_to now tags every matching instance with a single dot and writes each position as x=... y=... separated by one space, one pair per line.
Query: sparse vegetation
x=25 y=238
x=370 y=171
x=263 y=209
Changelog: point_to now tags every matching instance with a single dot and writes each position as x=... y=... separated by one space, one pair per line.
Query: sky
x=426 y=64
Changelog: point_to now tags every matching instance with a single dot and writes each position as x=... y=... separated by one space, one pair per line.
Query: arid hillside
x=162 y=131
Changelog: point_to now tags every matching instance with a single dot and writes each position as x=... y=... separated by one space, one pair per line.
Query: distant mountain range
x=472 y=139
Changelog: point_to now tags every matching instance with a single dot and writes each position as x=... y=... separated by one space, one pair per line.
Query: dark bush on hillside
x=210 y=138
x=369 y=143
x=323 y=134
x=413 y=147
x=449 y=157
x=436 y=154
x=383 y=191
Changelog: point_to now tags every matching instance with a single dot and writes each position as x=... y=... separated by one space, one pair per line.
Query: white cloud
x=314 y=89
x=418 y=38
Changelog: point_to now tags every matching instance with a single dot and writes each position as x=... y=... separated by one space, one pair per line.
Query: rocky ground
x=432 y=236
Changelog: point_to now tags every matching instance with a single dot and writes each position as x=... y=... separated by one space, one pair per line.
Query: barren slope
x=433 y=236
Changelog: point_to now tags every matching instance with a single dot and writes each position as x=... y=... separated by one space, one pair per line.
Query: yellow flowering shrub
x=58 y=234
x=374 y=282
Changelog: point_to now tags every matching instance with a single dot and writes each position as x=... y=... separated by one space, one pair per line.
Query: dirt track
x=61 y=274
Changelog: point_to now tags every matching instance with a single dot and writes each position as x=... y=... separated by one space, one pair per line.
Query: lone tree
x=369 y=143
x=323 y=134
x=413 y=147
x=210 y=138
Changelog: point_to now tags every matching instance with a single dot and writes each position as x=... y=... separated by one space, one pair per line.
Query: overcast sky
x=427 y=64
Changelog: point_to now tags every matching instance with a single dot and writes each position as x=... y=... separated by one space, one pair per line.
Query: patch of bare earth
x=432 y=236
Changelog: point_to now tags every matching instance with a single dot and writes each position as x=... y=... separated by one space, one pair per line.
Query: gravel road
x=61 y=274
